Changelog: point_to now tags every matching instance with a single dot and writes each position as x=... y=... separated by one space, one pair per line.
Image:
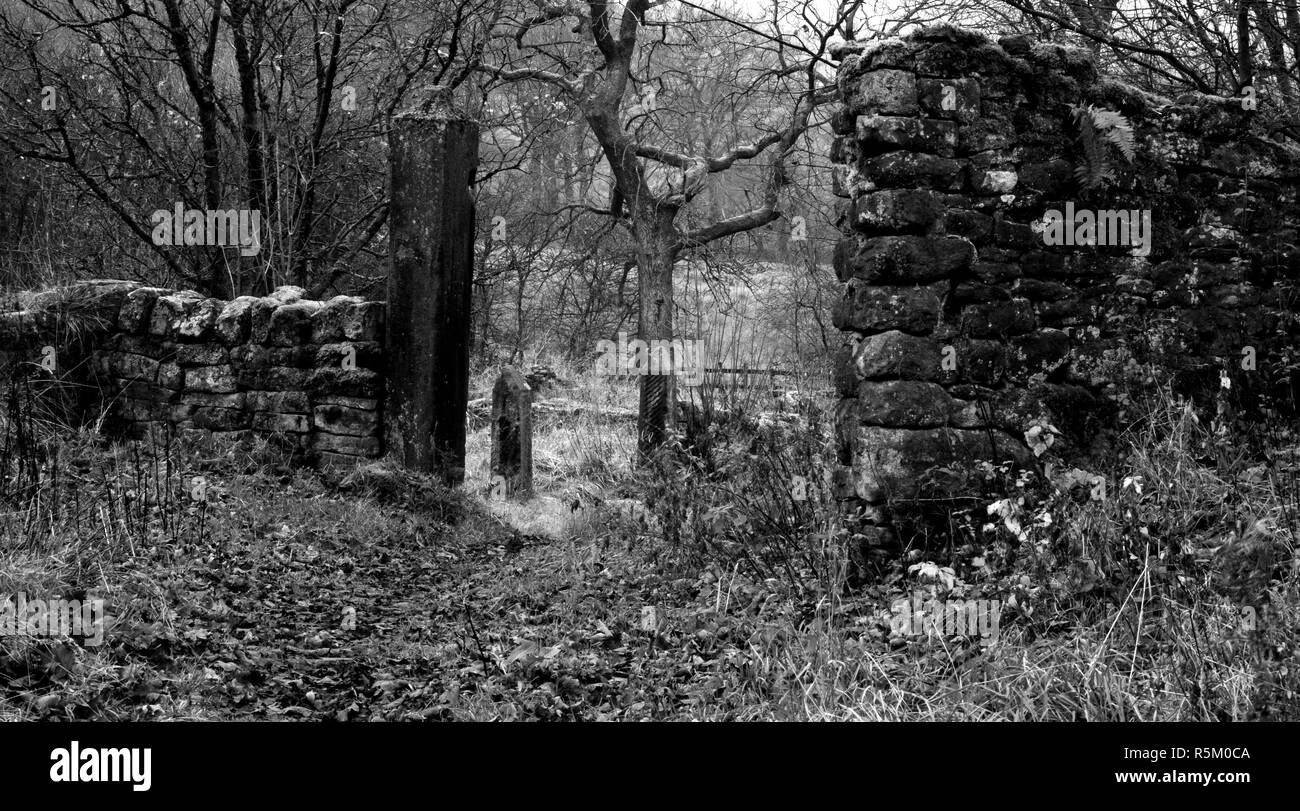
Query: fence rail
x=744 y=378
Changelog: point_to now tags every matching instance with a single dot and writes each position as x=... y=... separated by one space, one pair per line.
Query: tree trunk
x=305 y=225
x=655 y=257
x=1246 y=64
x=252 y=280
x=198 y=78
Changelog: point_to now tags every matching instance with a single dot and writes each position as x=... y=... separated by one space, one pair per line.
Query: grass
x=373 y=593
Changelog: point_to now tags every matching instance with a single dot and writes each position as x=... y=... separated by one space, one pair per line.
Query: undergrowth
x=716 y=583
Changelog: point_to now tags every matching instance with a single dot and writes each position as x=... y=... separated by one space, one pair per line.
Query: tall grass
x=1116 y=609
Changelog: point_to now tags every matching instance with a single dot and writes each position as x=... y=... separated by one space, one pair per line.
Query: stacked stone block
x=47 y=337
x=964 y=329
x=306 y=372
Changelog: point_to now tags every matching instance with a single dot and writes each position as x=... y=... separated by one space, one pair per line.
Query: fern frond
x=1114 y=128
x=1105 y=119
x=1093 y=171
x=1098 y=127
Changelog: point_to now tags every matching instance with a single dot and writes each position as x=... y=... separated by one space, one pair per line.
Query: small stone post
x=512 y=436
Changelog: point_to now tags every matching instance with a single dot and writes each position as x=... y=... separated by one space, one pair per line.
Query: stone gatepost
x=512 y=436
x=434 y=149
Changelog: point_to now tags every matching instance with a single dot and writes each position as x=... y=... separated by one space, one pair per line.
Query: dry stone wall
x=307 y=373
x=971 y=331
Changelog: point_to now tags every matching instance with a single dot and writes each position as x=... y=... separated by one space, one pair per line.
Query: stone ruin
x=153 y=361
x=970 y=329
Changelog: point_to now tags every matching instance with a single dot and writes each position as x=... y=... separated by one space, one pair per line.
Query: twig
x=482 y=654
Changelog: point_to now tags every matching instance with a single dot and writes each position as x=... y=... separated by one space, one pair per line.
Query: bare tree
x=608 y=62
x=278 y=106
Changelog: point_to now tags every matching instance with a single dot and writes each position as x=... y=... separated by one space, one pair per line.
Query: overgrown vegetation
x=680 y=161
x=284 y=592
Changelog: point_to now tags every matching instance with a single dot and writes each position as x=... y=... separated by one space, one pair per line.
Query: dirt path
x=316 y=614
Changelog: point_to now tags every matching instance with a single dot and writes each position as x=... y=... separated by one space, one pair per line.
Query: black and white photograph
x=739 y=361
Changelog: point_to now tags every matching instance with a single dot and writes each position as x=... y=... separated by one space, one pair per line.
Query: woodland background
x=629 y=152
